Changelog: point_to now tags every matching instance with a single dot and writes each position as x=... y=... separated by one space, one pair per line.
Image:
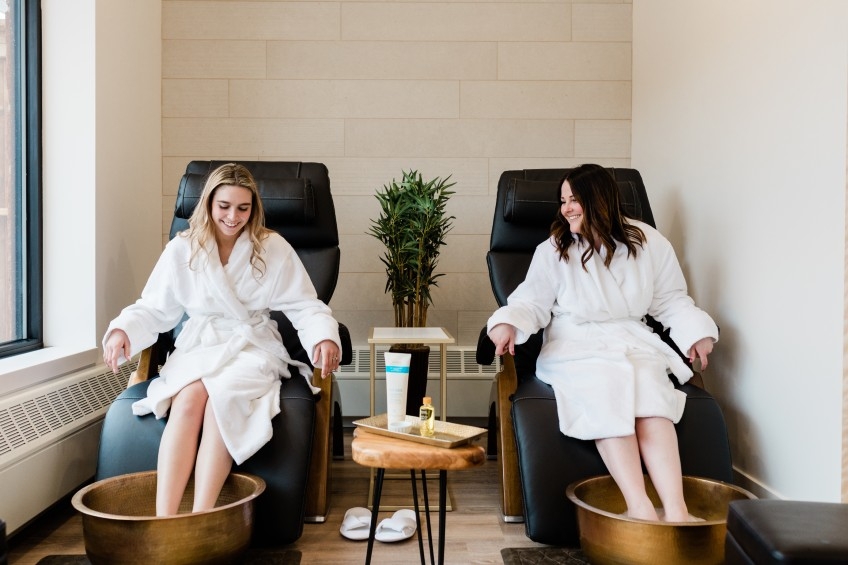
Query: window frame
x=28 y=161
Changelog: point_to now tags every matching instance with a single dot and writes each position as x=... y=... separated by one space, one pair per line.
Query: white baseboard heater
x=49 y=435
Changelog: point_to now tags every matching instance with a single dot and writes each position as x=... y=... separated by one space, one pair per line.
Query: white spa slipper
x=399 y=527
x=356 y=523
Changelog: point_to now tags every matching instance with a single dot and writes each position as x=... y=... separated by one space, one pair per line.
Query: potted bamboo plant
x=412 y=225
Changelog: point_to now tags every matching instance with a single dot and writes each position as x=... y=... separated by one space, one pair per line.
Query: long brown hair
x=603 y=222
x=201 y=230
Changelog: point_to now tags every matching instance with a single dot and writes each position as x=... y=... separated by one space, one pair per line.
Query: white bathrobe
x=229 y=340
x=604 y=363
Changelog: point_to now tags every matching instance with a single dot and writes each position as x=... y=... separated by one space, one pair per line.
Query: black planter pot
x=416 y=390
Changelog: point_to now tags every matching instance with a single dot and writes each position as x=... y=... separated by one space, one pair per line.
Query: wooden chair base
x=318 y=484
x=512 y=503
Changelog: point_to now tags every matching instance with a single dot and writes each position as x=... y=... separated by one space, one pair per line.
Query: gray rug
x=252 y=557
x=543 y=556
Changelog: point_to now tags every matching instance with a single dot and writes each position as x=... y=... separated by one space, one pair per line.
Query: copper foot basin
x=608 y=537
x=120 y=526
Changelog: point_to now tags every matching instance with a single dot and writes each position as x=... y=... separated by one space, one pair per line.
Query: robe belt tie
x=577 y=319
x=242 y=333
x=638 y=333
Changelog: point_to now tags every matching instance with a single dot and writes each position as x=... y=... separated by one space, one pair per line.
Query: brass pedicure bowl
x=120 y=526
x=608 y=537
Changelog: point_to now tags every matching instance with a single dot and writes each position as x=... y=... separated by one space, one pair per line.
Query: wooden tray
x=447 y=434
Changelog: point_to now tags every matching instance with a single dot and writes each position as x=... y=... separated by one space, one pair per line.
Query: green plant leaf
x=412 y=225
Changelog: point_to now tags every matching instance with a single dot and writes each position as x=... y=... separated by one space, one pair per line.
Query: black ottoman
x=760 y=532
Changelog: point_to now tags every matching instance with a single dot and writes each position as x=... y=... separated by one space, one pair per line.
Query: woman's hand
x=503 y=336
x=117 y=345
x=327 y=354
x=700 y=350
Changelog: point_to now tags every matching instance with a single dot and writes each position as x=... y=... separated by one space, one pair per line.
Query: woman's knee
x=652 y=424
x=190 y=402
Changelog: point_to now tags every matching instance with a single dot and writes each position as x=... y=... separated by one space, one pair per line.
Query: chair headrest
x=529 y=202
x=289 y=200
x=532 y=202
x=631 y=204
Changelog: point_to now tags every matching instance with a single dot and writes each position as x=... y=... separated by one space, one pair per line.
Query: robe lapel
x=220 y=284
x=609 y=291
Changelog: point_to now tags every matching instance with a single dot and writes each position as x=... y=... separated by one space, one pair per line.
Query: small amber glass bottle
x=428 y=418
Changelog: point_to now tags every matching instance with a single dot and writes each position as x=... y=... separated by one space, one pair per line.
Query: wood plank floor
x=475 y=532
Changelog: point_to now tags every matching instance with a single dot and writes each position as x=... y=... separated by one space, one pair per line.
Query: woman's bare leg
x=178 y=449
x=621 y=456
x=213 y=464
x=658 y=445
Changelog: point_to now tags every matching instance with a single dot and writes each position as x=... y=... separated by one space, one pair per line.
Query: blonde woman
x=221 y=385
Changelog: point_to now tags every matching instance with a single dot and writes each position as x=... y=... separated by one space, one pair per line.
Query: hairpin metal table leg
x=443 y=491
x=375 y=505
x=427 y=514
x=417 y=516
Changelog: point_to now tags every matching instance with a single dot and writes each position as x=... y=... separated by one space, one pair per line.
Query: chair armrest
x=697 y=380
x=512 y=502
x=146 y=368
x=347 y=347
x=292 y=342
x=318 y=483
x=485 y=348
x=508 y=376
x=142 y=370
x=150 y=359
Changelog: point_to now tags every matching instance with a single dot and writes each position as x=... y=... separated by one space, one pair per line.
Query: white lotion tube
x=397 y=380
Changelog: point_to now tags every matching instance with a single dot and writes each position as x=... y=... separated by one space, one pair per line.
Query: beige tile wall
x=467 y=89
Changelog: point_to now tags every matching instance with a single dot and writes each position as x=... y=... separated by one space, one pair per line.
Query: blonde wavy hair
x=201 y=229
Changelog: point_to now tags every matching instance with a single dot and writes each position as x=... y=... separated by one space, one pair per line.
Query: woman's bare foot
x=695 y=519
x=647 y=512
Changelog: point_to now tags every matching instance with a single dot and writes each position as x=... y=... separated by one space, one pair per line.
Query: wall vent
x=32 y=418
x=49 y=436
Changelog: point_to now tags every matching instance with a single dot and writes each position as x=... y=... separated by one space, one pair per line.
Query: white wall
x=128 y=151
x=102 y=161
x=739 y=129
x=68 y=154
x=102 y=175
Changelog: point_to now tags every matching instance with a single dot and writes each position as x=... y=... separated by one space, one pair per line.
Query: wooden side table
x=382 y=452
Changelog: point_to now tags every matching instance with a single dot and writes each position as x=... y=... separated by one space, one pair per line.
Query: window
x=20 y=176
